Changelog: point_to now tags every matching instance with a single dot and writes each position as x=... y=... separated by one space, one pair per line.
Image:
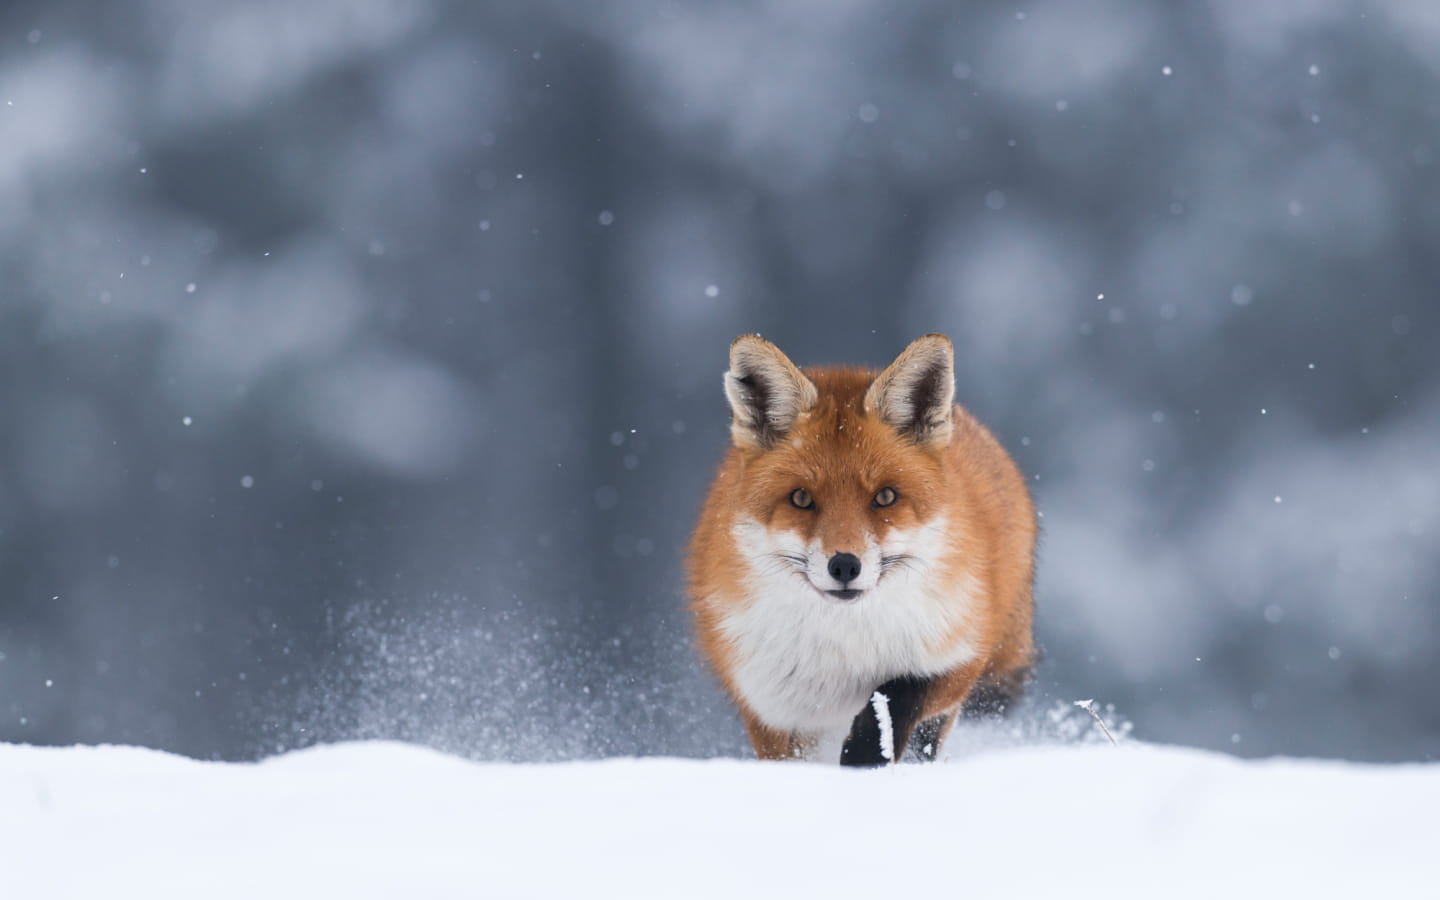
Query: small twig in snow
x=1089 y=706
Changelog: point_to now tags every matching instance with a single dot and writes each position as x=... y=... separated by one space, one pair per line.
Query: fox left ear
x=767 y=393
x=916 y=393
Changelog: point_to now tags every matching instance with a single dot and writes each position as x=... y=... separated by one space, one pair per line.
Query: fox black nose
x=844 y=567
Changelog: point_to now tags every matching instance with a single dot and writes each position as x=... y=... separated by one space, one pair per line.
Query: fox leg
x=992 y=696
x=770 y=743
x=911 y=701
x=868 y=742
x=930 y=734
x=947 y=703
x=996 y=692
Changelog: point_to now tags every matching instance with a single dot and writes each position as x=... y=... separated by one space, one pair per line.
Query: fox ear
x=915 y=395
x=767 y=392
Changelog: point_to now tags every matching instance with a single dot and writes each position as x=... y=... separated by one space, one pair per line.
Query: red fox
x=864 y=560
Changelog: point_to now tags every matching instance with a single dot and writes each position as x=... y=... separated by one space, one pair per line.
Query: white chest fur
x=807 y=663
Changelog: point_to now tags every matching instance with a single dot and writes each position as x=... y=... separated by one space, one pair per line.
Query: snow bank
x=391 y=820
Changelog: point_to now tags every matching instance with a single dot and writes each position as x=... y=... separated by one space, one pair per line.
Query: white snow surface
x=391 y=820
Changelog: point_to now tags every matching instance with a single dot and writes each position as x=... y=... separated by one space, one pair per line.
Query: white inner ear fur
x=767 y=393
x=916 y=393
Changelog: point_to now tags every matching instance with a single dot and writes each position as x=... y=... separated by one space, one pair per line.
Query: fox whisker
x=903 y=561
x=776 y=563
x=793 y=559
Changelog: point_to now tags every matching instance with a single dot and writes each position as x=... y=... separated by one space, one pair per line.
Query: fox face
x=841 y=505
x=841 y=478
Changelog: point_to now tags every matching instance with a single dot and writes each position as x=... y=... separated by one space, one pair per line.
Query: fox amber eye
x=885 y=497
x=801 y=499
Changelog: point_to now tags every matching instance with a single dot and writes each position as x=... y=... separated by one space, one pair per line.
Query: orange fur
x=841 y=452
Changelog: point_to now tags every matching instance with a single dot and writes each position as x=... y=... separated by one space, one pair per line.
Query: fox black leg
x=927 y=737
x=867 y=744
x=994 y=695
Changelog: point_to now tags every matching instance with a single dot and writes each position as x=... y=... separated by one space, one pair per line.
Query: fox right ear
x=916 y=394
x=767 y=393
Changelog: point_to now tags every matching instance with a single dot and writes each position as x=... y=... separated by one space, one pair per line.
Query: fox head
x=844 y=476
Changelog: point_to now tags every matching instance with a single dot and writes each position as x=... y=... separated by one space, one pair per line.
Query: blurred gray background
x=360 y=359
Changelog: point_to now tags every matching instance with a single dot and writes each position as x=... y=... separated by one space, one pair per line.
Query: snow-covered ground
x=391 y=820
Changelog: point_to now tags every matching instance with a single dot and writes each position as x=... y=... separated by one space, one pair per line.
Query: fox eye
x=885 y=497
x=801 y=499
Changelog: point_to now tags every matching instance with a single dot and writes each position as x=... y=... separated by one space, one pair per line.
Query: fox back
x=864 y=559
